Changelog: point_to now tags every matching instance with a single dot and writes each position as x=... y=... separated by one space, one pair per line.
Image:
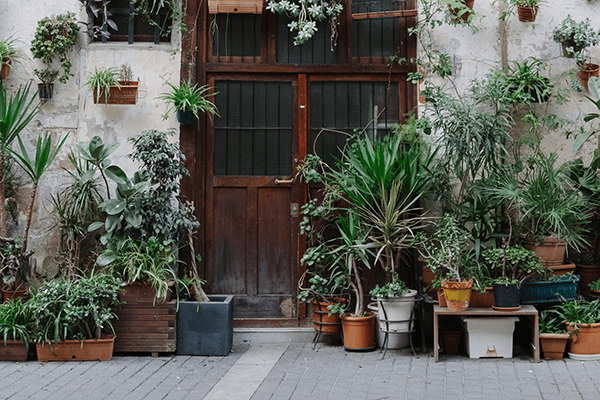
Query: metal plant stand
x=414 y=315
x=322 y=324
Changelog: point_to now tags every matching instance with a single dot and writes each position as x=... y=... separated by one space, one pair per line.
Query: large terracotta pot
x=457 y=294
x=527 y=14
x=562 y=269
x=13 y=350
x=586 y=341
x=553 y=345
x=551 y=251
x=587 y=275
x=588 y=70
x=323 y=322
x=73 y=350
x=358 y=332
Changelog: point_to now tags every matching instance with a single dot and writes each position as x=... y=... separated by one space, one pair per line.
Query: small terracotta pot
x=586 y=340
x=485 y=299
x=14 y=294
x=553 y=345
x=527 y=14
x=5 y=70
x=359 y=333
x=451 y=341
x=441 y=298
x=457 y=294
x=588 y=70
x=563 y=269
x=587 y=275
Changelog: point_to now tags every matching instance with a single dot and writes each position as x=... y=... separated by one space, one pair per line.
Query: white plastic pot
x=395 y=340
x=396 y=309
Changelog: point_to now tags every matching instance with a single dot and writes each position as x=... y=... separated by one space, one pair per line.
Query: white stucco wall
x=66 y=114
x=475 y=54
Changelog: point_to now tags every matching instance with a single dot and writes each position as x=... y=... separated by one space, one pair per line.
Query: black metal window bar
x=133 y=26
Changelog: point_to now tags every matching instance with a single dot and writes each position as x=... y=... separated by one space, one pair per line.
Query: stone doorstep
x=273 y=335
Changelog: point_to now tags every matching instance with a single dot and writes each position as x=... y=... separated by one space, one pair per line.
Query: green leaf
x=116 y=174
x=580 y=140
x=95 y=225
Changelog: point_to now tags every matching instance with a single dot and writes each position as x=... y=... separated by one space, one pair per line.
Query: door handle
x=284 y=181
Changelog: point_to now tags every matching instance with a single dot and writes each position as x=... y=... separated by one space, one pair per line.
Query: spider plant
x=100 y=81
x=188 y=98
x=16 y=320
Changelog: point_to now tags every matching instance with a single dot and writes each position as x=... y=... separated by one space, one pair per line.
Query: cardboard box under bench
x=146 y=328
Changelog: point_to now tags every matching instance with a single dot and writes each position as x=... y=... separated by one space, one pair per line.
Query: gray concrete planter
x=205 y=328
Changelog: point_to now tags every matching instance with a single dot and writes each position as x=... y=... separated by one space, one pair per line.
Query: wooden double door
x=253 y=201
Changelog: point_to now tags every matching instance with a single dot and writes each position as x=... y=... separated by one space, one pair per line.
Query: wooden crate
x=146 y=328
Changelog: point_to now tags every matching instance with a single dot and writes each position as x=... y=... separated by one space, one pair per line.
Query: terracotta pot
x=553 y=345
x=588 y=70
x=5 y=70
x=465 y=16
x=126 y=93
x=587 y=274
x=358 y=332
x=14 y=294
x=450 y=341
x=327 y=324
x=570 y=43
x=14 y=350
x=527 y=14
x=428 y=277
x=485 y=299
x=73 y=350
x=586 y=340
x=563 y=269
x=457 y=294
x=441 y=298
x=551 y=251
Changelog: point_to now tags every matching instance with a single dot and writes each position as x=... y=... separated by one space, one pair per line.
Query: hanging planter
x=125 y=93
x=45 y=91
x=586 y=71
x=235 y=6
x=527 y=14
x=464 y=16
x=186 y=117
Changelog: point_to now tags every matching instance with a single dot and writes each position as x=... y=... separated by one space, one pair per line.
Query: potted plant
x=326 y=300
x=8 y=52
x=12 y=266
x=46 y=88
x=516 y=264
x=582 y=319
x=16 y=320
x=443 y=250
x=73 y=318
x=54 y=38
x=553 y=335
x=188 y=101
x=526 y=9
x=526 y=84
x=548 y=211
x=113 y=86
x=575 y=36
x=395 y=302
x=462 y=9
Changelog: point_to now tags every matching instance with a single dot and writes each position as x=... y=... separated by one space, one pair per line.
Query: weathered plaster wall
x=475 y=54
x=72 y=110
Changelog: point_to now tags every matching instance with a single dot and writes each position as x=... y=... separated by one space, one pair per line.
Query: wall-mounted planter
x=126 y=94
x=6 y=62
x=205 y=328
x=527 y=14
x=588 y=70
x=186 y=117
x=45 y=91
x=235 y=6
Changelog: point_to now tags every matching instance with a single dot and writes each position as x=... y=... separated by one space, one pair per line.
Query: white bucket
x=395 y=340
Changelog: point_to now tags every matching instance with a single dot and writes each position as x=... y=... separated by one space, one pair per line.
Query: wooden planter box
x=13 y=351
x=126 y=94
x=146 y=328
x=235 y=6
x=74 y=350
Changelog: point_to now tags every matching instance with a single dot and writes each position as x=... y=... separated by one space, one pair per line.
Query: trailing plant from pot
x=584 y=135
x=576 y=36
x=531 y=7
x=13 y=264
x=16 y=322
x=75 y=309
x=54 y=39
x=188 y=98
x=526 y=84
x=305 y=14
x=8 y=52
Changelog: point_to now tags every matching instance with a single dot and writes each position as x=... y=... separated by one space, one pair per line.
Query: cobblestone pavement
x=300 y=372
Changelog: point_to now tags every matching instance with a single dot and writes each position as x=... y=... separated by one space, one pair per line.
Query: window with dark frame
x=134 y=25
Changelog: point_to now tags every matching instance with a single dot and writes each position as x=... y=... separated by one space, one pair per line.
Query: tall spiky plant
x=16 y=112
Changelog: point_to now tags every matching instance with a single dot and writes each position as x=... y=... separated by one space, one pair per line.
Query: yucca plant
x=16 y=112
x=43 y=158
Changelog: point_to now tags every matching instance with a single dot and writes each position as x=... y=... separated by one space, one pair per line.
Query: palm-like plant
x=44 y=155
x=16 y=112
x=188 y=97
